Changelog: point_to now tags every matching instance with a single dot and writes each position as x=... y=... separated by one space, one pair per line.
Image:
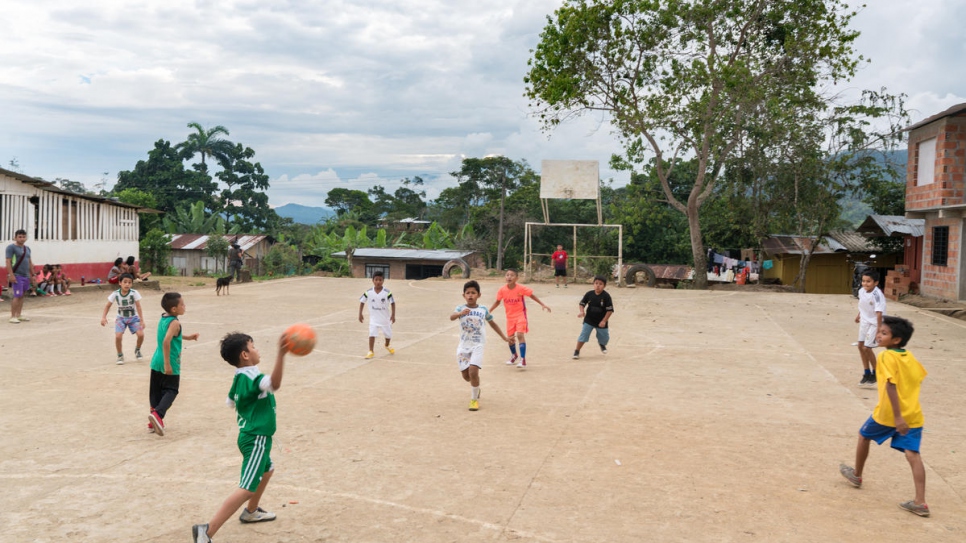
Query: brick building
x=407 y=263
x=935 y=192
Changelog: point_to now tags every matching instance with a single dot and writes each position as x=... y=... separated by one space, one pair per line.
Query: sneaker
x=474 y=405
x=23 y=319
x=137 y=354
x=916 y=509
x=199 y=533
x=14 y=320
x=259 y=515
x=151 y=427
x=849 y=473
x=158 y=423
x=370 y=354
x=390 y=349
x=512 y=361
x=603 y=349
x=576 y=355
x=67 y=293
x=120 y=360
x=522 y=364
x=868 y=381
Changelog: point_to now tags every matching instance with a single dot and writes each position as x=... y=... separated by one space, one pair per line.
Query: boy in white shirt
x=382 y=312
x=872 y=306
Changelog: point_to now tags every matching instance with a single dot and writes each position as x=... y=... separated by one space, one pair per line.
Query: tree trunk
x=697 y=248
x=499 y=235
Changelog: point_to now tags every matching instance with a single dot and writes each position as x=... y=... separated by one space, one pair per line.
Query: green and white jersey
x=252 y=397
x=125 y=302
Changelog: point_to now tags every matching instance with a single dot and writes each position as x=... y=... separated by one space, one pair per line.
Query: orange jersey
x=514 y=300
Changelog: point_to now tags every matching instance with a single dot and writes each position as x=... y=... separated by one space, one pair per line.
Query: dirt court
x=716 y=416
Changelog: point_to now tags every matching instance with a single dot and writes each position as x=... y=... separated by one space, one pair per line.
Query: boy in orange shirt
x=513 y=296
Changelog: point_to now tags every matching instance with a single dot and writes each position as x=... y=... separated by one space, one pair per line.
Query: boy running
x=129 y=316
x=897 y=415
x=513 y=296
x=166 y=362
x=872 y=306
x=599 y=309
x=382 y=312
x=252 y=394
x=469 y=354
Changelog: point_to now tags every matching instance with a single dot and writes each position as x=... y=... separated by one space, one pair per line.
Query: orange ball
x=299 y=339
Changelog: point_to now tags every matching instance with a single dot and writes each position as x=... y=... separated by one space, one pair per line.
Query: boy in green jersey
x=252 y=395
x=166 y=362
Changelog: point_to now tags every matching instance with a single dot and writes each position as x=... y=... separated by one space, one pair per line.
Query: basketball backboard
x=570 y=179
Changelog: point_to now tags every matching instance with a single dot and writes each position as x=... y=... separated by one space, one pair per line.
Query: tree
x=244 y=203
x=163 y=176
x=192 y=219
x=345 y=200
x=207 y=143
x=684 y=76
x=217 y=248
x=155 y=248
x=138 y=197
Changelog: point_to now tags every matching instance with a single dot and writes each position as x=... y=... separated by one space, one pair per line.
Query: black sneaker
x=603 y=349
x=867 y=381
x=576 y=355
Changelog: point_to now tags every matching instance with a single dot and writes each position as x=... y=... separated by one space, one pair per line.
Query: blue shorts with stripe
x=256 y=459
x=879 y=433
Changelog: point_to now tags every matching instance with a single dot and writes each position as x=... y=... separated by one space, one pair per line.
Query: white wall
x=80 y=251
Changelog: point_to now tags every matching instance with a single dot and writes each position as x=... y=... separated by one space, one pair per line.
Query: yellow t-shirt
x=900 y=368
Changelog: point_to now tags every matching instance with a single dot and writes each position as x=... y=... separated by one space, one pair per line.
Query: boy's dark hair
x=471 y=284
x=871 y=274
x=600 y=278
x=169 y=301
x=118 y=261
x=900 y=328
x=131 y=277
x=378 y=273
x=514 y=270
x=130 y=261
x=233 y=345
x=18 y=232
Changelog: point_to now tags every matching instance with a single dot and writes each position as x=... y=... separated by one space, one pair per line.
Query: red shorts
x=516 y=325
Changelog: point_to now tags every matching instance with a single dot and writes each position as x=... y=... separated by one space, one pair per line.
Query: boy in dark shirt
x=599 y=308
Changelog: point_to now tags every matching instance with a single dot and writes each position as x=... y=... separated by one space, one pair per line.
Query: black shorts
x=560 y=272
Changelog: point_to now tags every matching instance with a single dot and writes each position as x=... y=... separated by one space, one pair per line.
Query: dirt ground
x=717 y=416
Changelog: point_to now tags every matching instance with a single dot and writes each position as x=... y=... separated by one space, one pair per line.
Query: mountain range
x=304 y=214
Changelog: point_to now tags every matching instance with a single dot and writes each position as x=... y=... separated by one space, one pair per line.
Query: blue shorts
x=879 y=433
x=127 y=323
x=603 y=334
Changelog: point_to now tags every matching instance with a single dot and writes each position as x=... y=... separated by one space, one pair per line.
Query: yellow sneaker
x=390 y=349
x=370 y=354
x=474 y=405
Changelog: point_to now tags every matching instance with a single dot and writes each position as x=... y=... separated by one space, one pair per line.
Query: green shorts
x=256 y=459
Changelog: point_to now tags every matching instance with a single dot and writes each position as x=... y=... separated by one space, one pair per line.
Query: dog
x=222 y=282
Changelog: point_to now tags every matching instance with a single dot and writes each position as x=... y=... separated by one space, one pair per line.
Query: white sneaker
x=512 y=360
x=522 y=364
x=199 y=533
x=120 y=360
x=14 y=320
x=259 y=515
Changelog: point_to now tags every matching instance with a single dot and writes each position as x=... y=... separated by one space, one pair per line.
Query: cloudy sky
x=344 y=93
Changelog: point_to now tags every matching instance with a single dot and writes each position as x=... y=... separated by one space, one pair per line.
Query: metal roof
x=958 y=108
x=50 y=187
x=891 y=225
x=833 y=242
x=190 y=242
x=407 y=254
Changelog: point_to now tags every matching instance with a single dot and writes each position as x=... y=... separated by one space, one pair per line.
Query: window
x=926 y=162
x=940 y=245
x=384 y=268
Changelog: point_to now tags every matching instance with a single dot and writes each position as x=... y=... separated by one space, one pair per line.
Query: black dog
x=222 y=282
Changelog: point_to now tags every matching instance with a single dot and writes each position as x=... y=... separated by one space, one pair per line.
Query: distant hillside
x=304 y=214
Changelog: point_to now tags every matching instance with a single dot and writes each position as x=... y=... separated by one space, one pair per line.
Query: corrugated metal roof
x=407 y=254
x=892 y=225
x=50 y=187
x=833 y=242
x=958 y=108
x=190 y=242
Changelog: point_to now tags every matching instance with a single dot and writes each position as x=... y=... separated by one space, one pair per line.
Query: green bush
x=282 y=259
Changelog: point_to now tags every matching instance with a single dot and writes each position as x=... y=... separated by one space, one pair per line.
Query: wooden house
x=189 y=253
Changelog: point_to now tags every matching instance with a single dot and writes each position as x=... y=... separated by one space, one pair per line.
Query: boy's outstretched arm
x=535 y=299
x=496 y=327
x=279 y=368
x=137 y=305
x=495 y=305
x=104 y=316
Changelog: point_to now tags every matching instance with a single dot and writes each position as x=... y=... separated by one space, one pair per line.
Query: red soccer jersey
x=559 y=259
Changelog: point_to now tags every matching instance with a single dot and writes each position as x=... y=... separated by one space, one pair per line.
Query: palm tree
x=206 y=143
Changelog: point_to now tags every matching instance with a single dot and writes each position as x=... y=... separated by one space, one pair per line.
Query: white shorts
x=867 y=331
x=374 y=330
x=470 y=357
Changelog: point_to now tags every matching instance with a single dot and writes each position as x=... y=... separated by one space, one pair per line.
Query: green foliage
x=217 y=248
x=164 y=177
x=244 y=203
x=282 y=259
x=191 y=218
x=207 y=143
x=138 y=197
x=154 y=250
x=346 y=200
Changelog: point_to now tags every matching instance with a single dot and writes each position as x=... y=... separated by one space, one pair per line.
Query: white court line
x=346 y=495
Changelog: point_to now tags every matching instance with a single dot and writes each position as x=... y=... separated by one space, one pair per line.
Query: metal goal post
x=528 y=253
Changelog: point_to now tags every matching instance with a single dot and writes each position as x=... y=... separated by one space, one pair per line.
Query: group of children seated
x=122 y=266
x=51 y=281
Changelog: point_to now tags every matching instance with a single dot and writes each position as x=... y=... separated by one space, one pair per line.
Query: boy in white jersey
x=469 y=354
x=129 y=315
x=252 y=395
x=382 y=312
x=872 y=306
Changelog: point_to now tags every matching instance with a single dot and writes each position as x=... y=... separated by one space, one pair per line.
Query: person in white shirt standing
x=872 y=307
x=382 y=312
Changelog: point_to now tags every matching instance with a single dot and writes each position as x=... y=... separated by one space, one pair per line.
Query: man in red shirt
x=560 y=265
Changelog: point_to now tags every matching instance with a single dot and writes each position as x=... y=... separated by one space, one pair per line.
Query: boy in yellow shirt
x=897 y=415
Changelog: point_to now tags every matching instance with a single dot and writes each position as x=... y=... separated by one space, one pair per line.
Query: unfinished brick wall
x=950 y=165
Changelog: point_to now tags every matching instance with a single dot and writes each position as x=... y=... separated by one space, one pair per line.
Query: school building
x=410 y=263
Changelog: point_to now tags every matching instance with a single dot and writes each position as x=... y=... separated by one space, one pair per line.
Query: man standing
x=235 y=262
x=19 y=273
x=560 y=265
